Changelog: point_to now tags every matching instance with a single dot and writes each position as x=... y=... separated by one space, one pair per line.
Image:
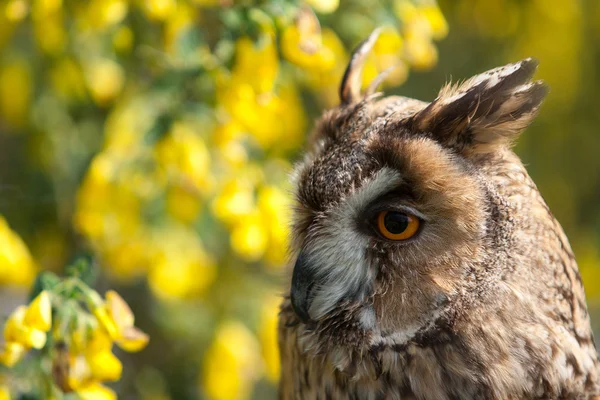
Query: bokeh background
x=155 y=138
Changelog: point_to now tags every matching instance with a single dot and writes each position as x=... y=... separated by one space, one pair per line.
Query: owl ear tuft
x=486 y=111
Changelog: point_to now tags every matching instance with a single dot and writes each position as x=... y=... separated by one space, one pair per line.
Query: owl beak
x=303 y=281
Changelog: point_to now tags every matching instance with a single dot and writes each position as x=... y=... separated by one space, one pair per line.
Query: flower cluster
x=169 y=126
x=26 y=329
x=74 y=329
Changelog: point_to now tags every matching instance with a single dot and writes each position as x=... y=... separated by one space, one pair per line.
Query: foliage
x=164 y=131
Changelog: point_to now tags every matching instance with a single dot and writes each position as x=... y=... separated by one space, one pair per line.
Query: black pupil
x=395 y=222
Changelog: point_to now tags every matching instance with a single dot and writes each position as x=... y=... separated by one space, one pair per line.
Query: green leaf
x=45 y=280
x=84 y=269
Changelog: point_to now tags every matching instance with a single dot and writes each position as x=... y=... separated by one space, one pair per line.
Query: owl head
x=396 y=200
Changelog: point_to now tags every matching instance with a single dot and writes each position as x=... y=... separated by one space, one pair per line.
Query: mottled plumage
x=484 y=302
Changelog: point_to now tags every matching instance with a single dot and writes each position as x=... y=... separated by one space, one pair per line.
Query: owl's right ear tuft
x=486 y=111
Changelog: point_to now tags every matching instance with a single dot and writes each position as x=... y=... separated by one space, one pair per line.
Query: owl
x=426 y=263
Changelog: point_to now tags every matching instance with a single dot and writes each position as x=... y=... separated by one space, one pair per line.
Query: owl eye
x=396 y=225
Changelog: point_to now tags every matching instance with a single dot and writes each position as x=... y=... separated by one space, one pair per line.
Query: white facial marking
x=338 y=254
x=367 y=317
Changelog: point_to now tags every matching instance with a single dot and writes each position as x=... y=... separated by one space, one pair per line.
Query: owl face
x=392 y=210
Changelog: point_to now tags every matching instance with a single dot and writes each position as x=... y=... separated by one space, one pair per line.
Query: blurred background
x=155 y=138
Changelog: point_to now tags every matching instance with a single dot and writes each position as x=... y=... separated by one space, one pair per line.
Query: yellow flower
x=16 y=263
x=324 y=6
x=50 y=33
x=232 y=363
x=105 y=366
x=96 y=391
x=105 y=79
x=16 y=330
x=256 y=65
x=126 y=125
x=387 y=53
x=15 y=92
x=177 y=24
x=268 y=338
x=182 y=152
x=433 y=15
x=67 y=79
x=235 y=201
x=42 y=8
x=181 y=268
x=95 y=363
x=16 y=10
x=128 y=258
x=118 y=320
x=123 y=39
x=11 y=353
x=275 y=207
x=183 y=204
x=39 y=313
x=105 y=13
x=325 y=77
x=4 y=393
x=233 y=153
x=421 y=52
x=305 y=47
x=159 y=9
x=250 y=237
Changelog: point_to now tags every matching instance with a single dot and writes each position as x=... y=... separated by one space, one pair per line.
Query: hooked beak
x=303 y=281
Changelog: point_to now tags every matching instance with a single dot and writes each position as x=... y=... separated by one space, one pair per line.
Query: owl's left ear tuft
x=486 y=111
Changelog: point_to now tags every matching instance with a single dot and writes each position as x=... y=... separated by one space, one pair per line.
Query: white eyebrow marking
x=338 y=253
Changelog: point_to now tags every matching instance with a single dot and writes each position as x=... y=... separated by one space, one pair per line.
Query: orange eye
x=396 y=225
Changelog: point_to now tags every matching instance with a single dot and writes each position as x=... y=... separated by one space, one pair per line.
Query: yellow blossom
x=234 y=201
x=421 y=52
x=105 y=13
x=123 y=39
x=96 y=391
x=433 y=15
x=4 y=393
x=250 y=237
x=127 y=258
x=43 y=8
x=67 y=79
x=39 y=313
x=50 y=33
x=15 y=91
x=126 y=125
x=181 y=268
x=117 y=319
x=232 y=363
x=11 y=353
x=387 y=53
x=17 y=331
x=105 y=79
x=324 y=6
x=256 y=64
x=159 y=9
x=94 y=362
x=105 y=366
x=183 y=204
x=325 y=77
x=183 y=153
x=177 y=24
x=16 y=264
x=268 y=338
x=275 y=207
x=302 y=44
x=16 y=10
x=233 y=153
